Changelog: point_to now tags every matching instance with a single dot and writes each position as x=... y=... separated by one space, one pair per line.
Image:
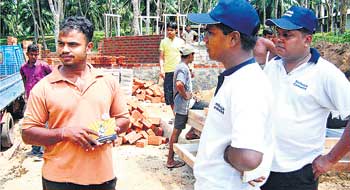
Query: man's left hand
x=321 y=165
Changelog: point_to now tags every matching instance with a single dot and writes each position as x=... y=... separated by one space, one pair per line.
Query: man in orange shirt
x=72 y=97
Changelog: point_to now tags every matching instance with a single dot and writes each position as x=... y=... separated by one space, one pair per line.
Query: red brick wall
x=135 y=49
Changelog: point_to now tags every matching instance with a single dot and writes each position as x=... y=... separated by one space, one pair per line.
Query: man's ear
x=308 y=40
x=234 y=38
x=89 y=46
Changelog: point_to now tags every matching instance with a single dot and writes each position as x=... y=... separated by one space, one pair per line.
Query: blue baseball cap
x=295 y=18
x=237 y=14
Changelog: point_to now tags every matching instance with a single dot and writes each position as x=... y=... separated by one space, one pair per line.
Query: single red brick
x=158 y=131
x=144 y=134
x=155 y=140
x=141 y=143
x=146 y=123
x=150 y=132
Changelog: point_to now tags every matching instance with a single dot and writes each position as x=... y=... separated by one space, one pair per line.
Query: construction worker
x=168 y=59
x=189 y=35
x=182 y=95
x=32 y=72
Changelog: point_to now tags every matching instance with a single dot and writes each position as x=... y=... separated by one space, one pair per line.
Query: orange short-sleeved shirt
x=60 y=103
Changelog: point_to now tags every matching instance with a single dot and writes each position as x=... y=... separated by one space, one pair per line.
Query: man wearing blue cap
x=307 y=87
x=236 y=137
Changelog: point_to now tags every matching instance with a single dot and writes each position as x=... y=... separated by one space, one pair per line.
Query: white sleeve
x=337 y=90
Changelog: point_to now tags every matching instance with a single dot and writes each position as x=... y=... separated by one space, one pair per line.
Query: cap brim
x=201 y=18
x=282 y=23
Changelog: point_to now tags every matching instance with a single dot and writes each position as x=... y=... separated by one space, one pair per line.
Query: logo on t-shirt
x=300 y=85
x=219 y=108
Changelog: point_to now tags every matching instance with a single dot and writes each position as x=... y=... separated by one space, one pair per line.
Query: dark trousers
x=51 y=185
x=168 y=88
x=200 y=105
x=302 y=179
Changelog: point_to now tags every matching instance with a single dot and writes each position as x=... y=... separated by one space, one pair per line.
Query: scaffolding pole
x=106 y=16
x=178 y=17
x=149 y=17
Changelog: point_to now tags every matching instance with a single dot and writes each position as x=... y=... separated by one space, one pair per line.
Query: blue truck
x=11 y=92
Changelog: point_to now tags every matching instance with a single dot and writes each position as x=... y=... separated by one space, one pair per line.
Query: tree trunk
x=41 y=25
x=264 y=13
x=110 y=19
x=159 y=17
x=276 y=9
x=158 y=8
x=16 y=20
x=329 y=9
x=80 y=8
x=282 y=10
x=343 y=14
x=148 y=14
x=56 y=9
x=31 y=7
x=135 y=20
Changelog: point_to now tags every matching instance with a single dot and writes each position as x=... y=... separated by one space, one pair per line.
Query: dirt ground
x=339 y=54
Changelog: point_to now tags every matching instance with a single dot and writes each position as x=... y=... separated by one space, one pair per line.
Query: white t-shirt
x=303 y=99
x=189 y=36
x=238 y=116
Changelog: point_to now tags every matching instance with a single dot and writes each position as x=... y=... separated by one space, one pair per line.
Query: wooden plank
x=187 y=152
x=196 y=118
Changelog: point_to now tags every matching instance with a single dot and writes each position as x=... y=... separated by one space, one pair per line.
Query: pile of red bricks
x=143 y=130
x=147 y=91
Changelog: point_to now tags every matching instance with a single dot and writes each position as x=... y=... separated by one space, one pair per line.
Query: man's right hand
x=80 y=136
x=162 y=75
x=188 y=95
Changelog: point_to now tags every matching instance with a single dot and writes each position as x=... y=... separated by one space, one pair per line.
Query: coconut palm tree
x=343 y=13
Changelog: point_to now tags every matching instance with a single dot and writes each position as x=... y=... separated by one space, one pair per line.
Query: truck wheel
x=7 y=131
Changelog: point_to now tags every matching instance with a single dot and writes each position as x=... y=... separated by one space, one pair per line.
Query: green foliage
x=98 y=36
x=332 y=37
x=50 y=40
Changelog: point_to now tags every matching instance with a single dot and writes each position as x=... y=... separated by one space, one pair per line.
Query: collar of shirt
x=56 y=75
x=230 y=71
x=34 y=65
